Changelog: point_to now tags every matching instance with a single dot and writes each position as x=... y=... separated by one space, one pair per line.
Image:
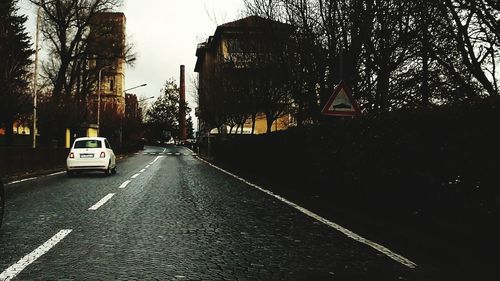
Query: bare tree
x=475 y=41
x=66 y=27
x=392 y=53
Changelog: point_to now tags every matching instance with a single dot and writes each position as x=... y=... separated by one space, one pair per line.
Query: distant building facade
x=235 y=67
x=107 y=47
x=132 y=110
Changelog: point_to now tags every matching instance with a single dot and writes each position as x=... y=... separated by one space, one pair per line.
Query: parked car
x=2 y=201
x=91 y=154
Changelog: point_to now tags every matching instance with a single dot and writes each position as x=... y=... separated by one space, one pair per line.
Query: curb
x=31 y=175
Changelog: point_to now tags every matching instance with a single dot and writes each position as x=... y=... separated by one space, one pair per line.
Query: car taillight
x=71 y=155
x=103 y=155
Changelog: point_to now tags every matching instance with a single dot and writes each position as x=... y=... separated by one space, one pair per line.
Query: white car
x=91 y=154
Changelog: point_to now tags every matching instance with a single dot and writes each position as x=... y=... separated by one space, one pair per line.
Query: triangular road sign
x=341 y=103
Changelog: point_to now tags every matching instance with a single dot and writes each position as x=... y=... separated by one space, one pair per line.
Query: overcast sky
x=165 y=34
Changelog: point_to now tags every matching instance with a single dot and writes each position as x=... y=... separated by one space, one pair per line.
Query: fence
x=23 y=159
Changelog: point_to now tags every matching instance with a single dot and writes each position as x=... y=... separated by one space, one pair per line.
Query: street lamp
x=99 y=99
x=99 y=95
x=145 y=99
x=121 y=120
x=143 y=85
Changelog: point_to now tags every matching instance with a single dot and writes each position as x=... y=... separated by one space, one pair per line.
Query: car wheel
x=113 y=171
x=107 y=172
x=2 y=202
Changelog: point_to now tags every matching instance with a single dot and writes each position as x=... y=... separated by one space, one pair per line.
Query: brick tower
x=107 y=48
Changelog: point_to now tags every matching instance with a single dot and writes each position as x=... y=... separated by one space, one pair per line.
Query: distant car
x=2 y=201
x=91 y=154
x=190 y=143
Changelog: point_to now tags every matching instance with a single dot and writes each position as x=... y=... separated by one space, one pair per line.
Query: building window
x=112 y=85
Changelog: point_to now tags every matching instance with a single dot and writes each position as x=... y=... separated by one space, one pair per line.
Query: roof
x=109 y=15
x=252 y=21
x=91 y=138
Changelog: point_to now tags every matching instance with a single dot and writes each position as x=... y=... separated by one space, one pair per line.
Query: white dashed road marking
x=134 y=176
x=16 y=268
x=402 y=260
x=156 y=159
x=101 y=202
x=124 y=184
x=142 y=171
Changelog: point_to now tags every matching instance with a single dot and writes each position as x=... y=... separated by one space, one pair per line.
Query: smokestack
x=182 y=108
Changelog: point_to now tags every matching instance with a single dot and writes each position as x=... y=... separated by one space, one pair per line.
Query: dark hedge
x=442 y=161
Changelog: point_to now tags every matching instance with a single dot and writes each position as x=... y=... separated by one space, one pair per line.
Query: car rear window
x=88 y=144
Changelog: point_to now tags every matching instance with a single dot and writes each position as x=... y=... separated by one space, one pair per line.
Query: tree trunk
x=60 y=82
x=269 y=121
x=254 y=117
x=242 y=127
x=9 y=131
x=382 y=89
x=425 y=59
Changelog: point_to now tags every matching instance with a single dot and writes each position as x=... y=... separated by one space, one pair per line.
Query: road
x=167 y=215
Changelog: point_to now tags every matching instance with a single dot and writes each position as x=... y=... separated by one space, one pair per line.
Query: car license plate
x=87 y=155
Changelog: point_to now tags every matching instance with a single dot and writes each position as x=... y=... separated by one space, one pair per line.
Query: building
x=21 y=130
x=107 y=47
x=240 y=73
x=132 y=110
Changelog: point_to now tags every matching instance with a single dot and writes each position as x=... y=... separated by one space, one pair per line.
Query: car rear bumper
x=87 y=164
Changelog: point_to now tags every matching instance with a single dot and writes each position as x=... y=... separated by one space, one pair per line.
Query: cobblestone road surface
x=177 y=218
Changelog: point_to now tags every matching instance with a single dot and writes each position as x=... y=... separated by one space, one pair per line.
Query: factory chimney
x=182 y=107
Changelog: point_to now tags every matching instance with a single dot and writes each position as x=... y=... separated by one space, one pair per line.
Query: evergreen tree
x=190 y=128
x=15 y=61
x=163 y=116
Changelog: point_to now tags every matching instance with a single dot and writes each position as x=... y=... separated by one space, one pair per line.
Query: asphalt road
x=171 y=216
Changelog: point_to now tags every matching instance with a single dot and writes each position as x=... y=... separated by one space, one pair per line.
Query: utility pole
x=35 y=78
